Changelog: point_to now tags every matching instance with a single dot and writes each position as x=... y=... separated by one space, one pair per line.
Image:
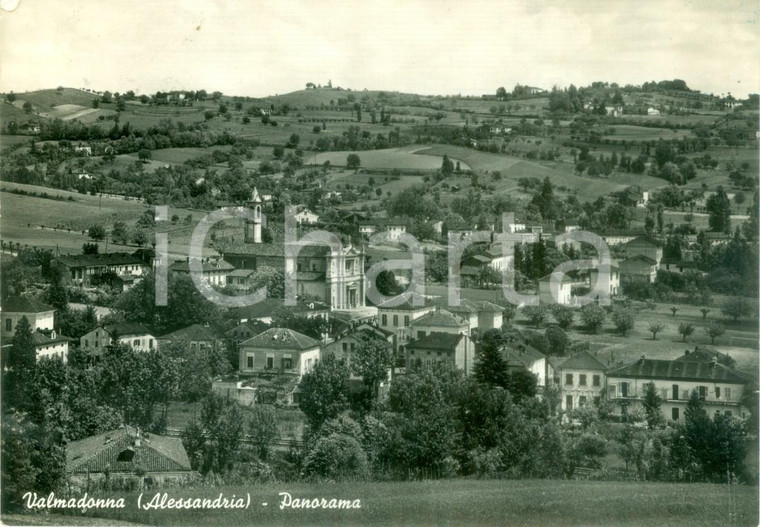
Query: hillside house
x=639 y=269
x=306 y=217
x=581 y=381
x=96 y=342
x=241 y=279
x=721 y=388
x=444 y=321
x=395 y=230
x=479 y=314
x=38 y=314
x=614 y=281
x=51 y=344
x=530 y=359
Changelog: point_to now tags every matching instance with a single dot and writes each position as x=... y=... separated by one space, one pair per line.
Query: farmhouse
x=80 y=269
x=306 y=217
x=720 y=387
x=96 y=342
x=38 y=314
x=124 y=453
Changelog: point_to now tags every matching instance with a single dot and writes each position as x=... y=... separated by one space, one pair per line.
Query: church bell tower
x=253 y=227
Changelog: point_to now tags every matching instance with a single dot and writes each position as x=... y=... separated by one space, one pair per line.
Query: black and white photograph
x=379 y=263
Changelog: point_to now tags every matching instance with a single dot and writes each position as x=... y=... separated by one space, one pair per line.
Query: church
x=335 y=277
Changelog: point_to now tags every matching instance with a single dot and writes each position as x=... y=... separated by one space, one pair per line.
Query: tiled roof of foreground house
x=123 y=450
x=582 y=361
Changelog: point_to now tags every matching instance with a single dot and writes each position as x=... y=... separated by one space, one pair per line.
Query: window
x=612 y=391
x=136 y=343
x=624 y=389
x=728 y=393
x=249 y=361
x=596 y=380
x=406 y=320
x=270 y=362
x=345 y=347
x=582 y=401
x=717 y=392
x=675 y=414
x=675 y=392
x=568 y=379
x=702 y=391
x=582 y=379
x=568 y=402
x=353 y=347
x=385 y=320
x=287 y=363
x=97 y=343
x=727 y=413
x=8 y=324
x=597 y=400
x=395 y=320
x=86 y=343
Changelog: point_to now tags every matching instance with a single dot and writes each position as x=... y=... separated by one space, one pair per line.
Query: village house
x=720 y=387
x=581 y=381
x=530 y=359
x=96 y=342
x=51 y=344
x=38 y=314
x=450 y=349
x=646 y=246
x=245 y=330
x=395 y=229
x=479 y=314
x=618 y=237
x=653 y=111
x=345 y=347
x=443 y=321
x=241 y=279
x=559 y=292
x=81 y=268
x=614 y=281
x=306 y=217
x=127 y=454
x=397 y=316
x=213 y=271
x=281 y=349
x=639 y=269
x=196 y=336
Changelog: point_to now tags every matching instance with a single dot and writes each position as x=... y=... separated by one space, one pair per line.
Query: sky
x=258 y=48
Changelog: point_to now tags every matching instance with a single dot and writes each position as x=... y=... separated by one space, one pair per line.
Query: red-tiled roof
x=678 y=370
x=281 y=338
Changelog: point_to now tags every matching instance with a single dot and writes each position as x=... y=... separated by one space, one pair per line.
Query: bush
x=336 y=457
x=558 y=340
x=593 y=317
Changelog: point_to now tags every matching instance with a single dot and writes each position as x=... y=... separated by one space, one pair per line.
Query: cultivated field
x=470 y=502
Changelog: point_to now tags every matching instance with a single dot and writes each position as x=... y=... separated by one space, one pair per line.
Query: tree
x=372 y=361
x=674 y=310
x=490 y=365
x=714 y=330
x=90 y=248
x=144 y=155
x=651 y=403
x=28 y=107
x=96 y=232
x=685 y=329
x=564 y=315
x=119 y=232
x=623 y=318
x=535 y=314
x=558 y=340
x=353 y=161
x=655 y=328
x=293 y=141
x=139 y=237
x=324 y=391
x=447 y=167
x=593 y=317
x=736 y=307
x=719 y=208
x=263 y=429
x=222 y=421
x=23 y=352
x=704 y=312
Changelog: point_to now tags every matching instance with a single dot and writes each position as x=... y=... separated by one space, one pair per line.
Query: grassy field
x=469 y=502
x=409 y=158
x=644 y=133
x=24 y=216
